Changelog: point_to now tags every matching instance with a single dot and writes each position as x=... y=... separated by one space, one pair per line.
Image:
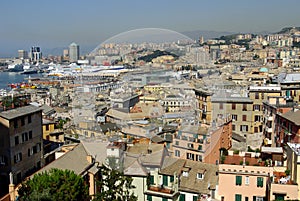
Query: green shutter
x=171 y=178
x=164 y=199
x=165 y=180
x=260 y=182
x=149 y=198
x=151 y=179
x=182 y=197
x=195 y=198
x=238 y=197
x=254 y=198
x=238 y=180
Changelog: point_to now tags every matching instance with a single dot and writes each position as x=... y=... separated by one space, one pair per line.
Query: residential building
x=258 y=183
x=271 y=107
x=293 y=162
x=180 y=179
x=258 y=94
x=21 y=145
x=198 y=143
x=205 y=105
x=287 y=127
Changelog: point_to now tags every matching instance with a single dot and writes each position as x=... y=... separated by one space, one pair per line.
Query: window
x=151 y=180
x=244 y=128
x=165 y=180
x=30 y=134
x=255 y=129
x=244 y=117
x=257 y=118
x=260 y=182
x=256 y=95
x=247 y=180
x=17 y=140
x=256 y=107
x=238 y=180
x=195 y=198
x=29 y=119
x=221 y=106
x=182 y=197
x=233 y=106
x=234 y=117
x=47 y=127
x=38 y=147
x=22 y=121
x=238 y=197
x=200 y=175
x=177 y=153
x=2 y=160
x=199 y=147
x=18 y=157
x=30 y=151
x=233 y=127
x=244 y=107
x=171 y=178
x=190 y=145
x=176 y=142
x=15 y=123
x=256 y=198
x=185 y=173
x=199 y=158
x=190 y=156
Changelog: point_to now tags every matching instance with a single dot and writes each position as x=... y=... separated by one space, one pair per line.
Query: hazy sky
x=57 y=23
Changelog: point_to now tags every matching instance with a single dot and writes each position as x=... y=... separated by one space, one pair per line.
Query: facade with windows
x=197 y=143
x=182 y=180
x=240 y=109
x=259 y=94
x=21 y=145
x=242 y=183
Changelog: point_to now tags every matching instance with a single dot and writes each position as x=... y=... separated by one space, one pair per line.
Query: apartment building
x=205 y=105
x=198 y=143
x=257 y=183
x=287 y=127
x=293 y=162
x=21 y=146
x=240 y=109
x=271 y=107
x=258 y=94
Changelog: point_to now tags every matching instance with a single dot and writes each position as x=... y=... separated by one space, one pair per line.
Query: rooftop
x=20 y=111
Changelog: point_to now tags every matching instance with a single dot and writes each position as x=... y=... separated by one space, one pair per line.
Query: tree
x=54 y=185
x=114 y=185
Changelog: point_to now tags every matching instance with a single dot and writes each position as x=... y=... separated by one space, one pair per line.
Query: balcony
x=161 y=191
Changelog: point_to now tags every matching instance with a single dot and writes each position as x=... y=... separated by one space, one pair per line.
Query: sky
x=57 y=23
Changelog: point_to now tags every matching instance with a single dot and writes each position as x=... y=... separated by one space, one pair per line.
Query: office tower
x=73 y=52
x=22 y=54
x=35 y=53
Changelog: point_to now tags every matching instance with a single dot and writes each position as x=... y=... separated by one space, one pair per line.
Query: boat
x=15 y=68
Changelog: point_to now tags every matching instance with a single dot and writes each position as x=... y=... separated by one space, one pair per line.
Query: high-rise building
x=73 y=52
x=22 y=54
x=35 y=53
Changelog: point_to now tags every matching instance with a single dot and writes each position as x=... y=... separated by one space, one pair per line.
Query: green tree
x=114 y=186
x=54 y=185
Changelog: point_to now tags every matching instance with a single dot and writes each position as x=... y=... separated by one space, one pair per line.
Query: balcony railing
x=162 y=191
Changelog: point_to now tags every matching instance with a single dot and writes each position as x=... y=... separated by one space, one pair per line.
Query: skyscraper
x=73 y=52
x=22 y=54
x=35 y=53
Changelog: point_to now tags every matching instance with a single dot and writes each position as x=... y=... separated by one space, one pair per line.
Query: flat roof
x=20 y=111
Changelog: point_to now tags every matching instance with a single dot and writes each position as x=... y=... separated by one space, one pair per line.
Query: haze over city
x=52 y=24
